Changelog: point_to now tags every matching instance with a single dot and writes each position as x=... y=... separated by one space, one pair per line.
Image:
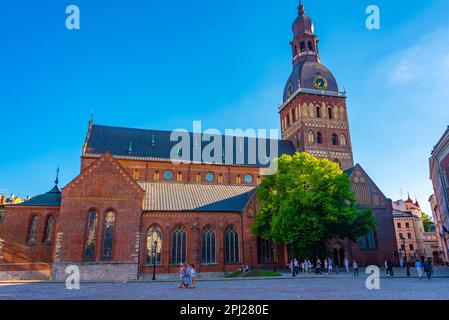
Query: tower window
x=311 y=137
x=302 y=47
x=319 y=138
x=318 y=112
x=329 y=112
x=334 y=139
x=343 y=140
x=310 y=45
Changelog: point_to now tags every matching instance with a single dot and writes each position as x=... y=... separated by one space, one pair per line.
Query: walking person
x=181 y=275
x=390 y=268
x=193 y=276
x=347 y=265
x=326 y=266
x=292 y=268
x=330 y=265
x=355 y=266
x=419 y=268
x=427 y=269
x=386 y=266
x=296 y=264
x=318 y=266
x=188 y=277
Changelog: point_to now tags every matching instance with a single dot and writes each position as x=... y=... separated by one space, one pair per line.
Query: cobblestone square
x=308 y=287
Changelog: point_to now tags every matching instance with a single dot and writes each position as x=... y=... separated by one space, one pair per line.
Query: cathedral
x=132 y=208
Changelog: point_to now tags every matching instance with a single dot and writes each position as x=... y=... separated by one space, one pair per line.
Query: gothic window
x=335 y=139
x=49 y=230
x=32 y=230
x=318 y=112
x=288 y=120
x=198 y=177
x=231 y=246
x=220 y=178
x=91 y=235
x=156 y=176
x=208 y=246
x=319 y=138
x=264 y=251
x=311 y=137
x=108 y=235
x=179 y=177
x=310 y=45
x=343 y=140
x=368 y=242
x=238 y=179
x=154 y=245
x=302 y=47
x=178 y=249
x=329 y=112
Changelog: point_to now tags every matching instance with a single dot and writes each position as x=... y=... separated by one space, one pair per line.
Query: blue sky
x=163 y=64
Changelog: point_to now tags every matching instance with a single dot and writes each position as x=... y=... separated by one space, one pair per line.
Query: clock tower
x=313 y=114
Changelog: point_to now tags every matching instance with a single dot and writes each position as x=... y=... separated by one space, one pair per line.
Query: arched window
x=318 y=112
x=32 y=230
x=156 y=176
x=220 y=178
x=310 y=45
x=179 y=177
x=208 y=255
x=330 y=113
x=238 y=179
x=49 y=230
x=108 y=235
x=264 y=250
x=343 y=140
x=311 y=137
x=302 y=47
x=91 y=235
x=231 y=246
x=319 y=138
x=178 y=249
x=198 y=177
x=335 y=139
x=154 y=245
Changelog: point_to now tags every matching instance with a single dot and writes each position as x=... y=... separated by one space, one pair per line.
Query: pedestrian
x=427 y=269
x=296 y=264
x=292 y=268
x=419 y=268
x=330 y=265
x=326 y=266
x=318 y=266
x=181 y=275
x=347 y=265
x=192 y=276
x=309 y=266
x=390 y=268
x=355 y=266
x=304 y=266
x=386 y=266
x=188 y=277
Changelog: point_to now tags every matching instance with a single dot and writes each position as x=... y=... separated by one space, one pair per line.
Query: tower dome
x=308 y=71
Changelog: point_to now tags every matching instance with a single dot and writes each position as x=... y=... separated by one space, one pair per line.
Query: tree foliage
x=309 y=201
x=427 y=222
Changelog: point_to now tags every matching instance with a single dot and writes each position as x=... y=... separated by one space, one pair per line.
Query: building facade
x=142 y=201
x=439 y=201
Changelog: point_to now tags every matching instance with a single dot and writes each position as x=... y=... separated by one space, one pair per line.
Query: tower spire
x=57 y=176
x=301 y=8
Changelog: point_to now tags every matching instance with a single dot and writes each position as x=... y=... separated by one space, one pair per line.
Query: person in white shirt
x=347 y=265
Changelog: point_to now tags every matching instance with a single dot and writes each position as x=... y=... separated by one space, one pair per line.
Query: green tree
x=309 y=201
x=427 y=222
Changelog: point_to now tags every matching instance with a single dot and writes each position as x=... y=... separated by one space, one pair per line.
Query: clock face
x=290 y=89
x=320 y=82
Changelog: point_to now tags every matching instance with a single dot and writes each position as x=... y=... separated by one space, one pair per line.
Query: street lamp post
x=405 y=256
x=154 y=259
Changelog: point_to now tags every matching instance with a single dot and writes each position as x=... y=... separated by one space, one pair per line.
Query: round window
x=210 y=177
x=168 y=175
x=249 y=178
